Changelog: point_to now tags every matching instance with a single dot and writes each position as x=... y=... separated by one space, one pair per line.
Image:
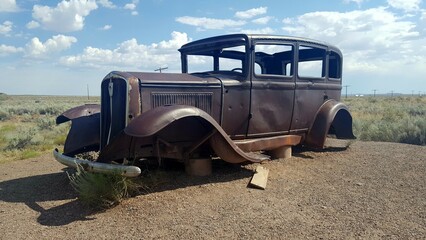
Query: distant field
x=389 y=119
x=28 y=129
x=27 y=124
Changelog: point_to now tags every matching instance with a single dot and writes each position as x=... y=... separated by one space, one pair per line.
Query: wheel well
x=342 y=125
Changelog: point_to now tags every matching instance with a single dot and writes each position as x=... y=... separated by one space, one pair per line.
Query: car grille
x=200 y=100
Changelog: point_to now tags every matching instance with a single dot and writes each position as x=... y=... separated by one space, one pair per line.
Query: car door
x=311 y=85
x=272 y=88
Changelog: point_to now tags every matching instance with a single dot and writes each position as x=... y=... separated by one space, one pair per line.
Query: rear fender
x=333 y=117
x=84 y=135
x=175 y=123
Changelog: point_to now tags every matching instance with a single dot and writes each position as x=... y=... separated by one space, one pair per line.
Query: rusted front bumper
x=127 y=171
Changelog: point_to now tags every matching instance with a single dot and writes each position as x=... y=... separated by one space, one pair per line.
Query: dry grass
x=27 y=124
x=389 y=119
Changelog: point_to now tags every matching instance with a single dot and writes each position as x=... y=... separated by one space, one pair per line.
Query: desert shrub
x=102 y=190
x=50 y=110
x=22 y=139
x=416 y=111
x=3 y=96
x=414 y=132
x=45 y=123
x=19 y=111
x=3 y=115
x=398 y=119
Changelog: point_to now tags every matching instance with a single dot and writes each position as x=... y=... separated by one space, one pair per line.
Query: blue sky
x=61 y=47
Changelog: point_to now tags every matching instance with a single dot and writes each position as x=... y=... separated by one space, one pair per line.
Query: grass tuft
x=102 y=191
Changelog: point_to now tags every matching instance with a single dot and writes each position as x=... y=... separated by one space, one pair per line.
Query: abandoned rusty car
x=239 y=98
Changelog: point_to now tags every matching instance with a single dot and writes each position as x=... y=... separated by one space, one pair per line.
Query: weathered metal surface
x=114 y=107
x=252 y=145
x=84 y=133
x=152 y=124
x=326 y=118
x=202 y=101
x=84 y=110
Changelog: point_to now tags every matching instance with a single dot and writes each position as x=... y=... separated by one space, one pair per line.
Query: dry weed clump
x=102 y=191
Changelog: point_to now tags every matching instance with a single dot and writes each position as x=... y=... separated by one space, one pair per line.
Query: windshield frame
x=214 y=48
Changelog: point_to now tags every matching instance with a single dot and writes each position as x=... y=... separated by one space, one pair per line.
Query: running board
x=267 y=144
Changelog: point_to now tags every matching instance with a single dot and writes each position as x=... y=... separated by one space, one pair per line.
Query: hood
x=147 y=78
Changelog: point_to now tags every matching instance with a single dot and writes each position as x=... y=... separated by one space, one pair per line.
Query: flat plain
x=371 y=190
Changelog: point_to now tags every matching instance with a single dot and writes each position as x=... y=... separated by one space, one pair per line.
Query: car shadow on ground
x=172 y=176
x=52 y=189
x=38 y=191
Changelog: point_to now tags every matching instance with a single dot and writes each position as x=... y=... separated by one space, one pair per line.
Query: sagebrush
x=390 y=119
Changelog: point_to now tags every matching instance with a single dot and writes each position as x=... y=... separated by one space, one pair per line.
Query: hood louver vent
x=200 y=100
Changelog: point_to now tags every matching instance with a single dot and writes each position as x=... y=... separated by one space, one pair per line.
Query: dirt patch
x=370 y=190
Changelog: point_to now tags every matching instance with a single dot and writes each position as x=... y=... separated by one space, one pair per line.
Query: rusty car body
x=237 y=94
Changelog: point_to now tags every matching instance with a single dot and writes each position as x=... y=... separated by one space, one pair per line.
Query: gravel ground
x=370 y=190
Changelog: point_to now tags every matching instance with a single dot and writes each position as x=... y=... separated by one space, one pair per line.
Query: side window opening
x=273 y=59
x=311 y=62
x=200 y=63
x=334 y=66
x=225 y=59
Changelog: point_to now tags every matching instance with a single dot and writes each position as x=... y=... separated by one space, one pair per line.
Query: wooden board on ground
x=260 y=178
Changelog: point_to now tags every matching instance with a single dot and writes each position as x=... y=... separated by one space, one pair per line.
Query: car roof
x=247 y=37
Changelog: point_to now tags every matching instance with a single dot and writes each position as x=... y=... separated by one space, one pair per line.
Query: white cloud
x=6 y=27
x=106 y=4
x=106 y=27
x=405 y=5
x=67 y=16
x=358 y=2
x=422 y=22
x=262 y=20
x=373 y=40
x=251 y=13
x=8 y=6
x=7 y=50
x=32 y=25
x=130 y=6
x=35 y=48
x=209 y=23
x=266 y=30
x=374 y=28
x=131 y=55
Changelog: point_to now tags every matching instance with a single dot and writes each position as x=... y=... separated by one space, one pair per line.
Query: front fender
x=175 y=123
x=331 y=113
x=84 y=135
x=76 y=112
